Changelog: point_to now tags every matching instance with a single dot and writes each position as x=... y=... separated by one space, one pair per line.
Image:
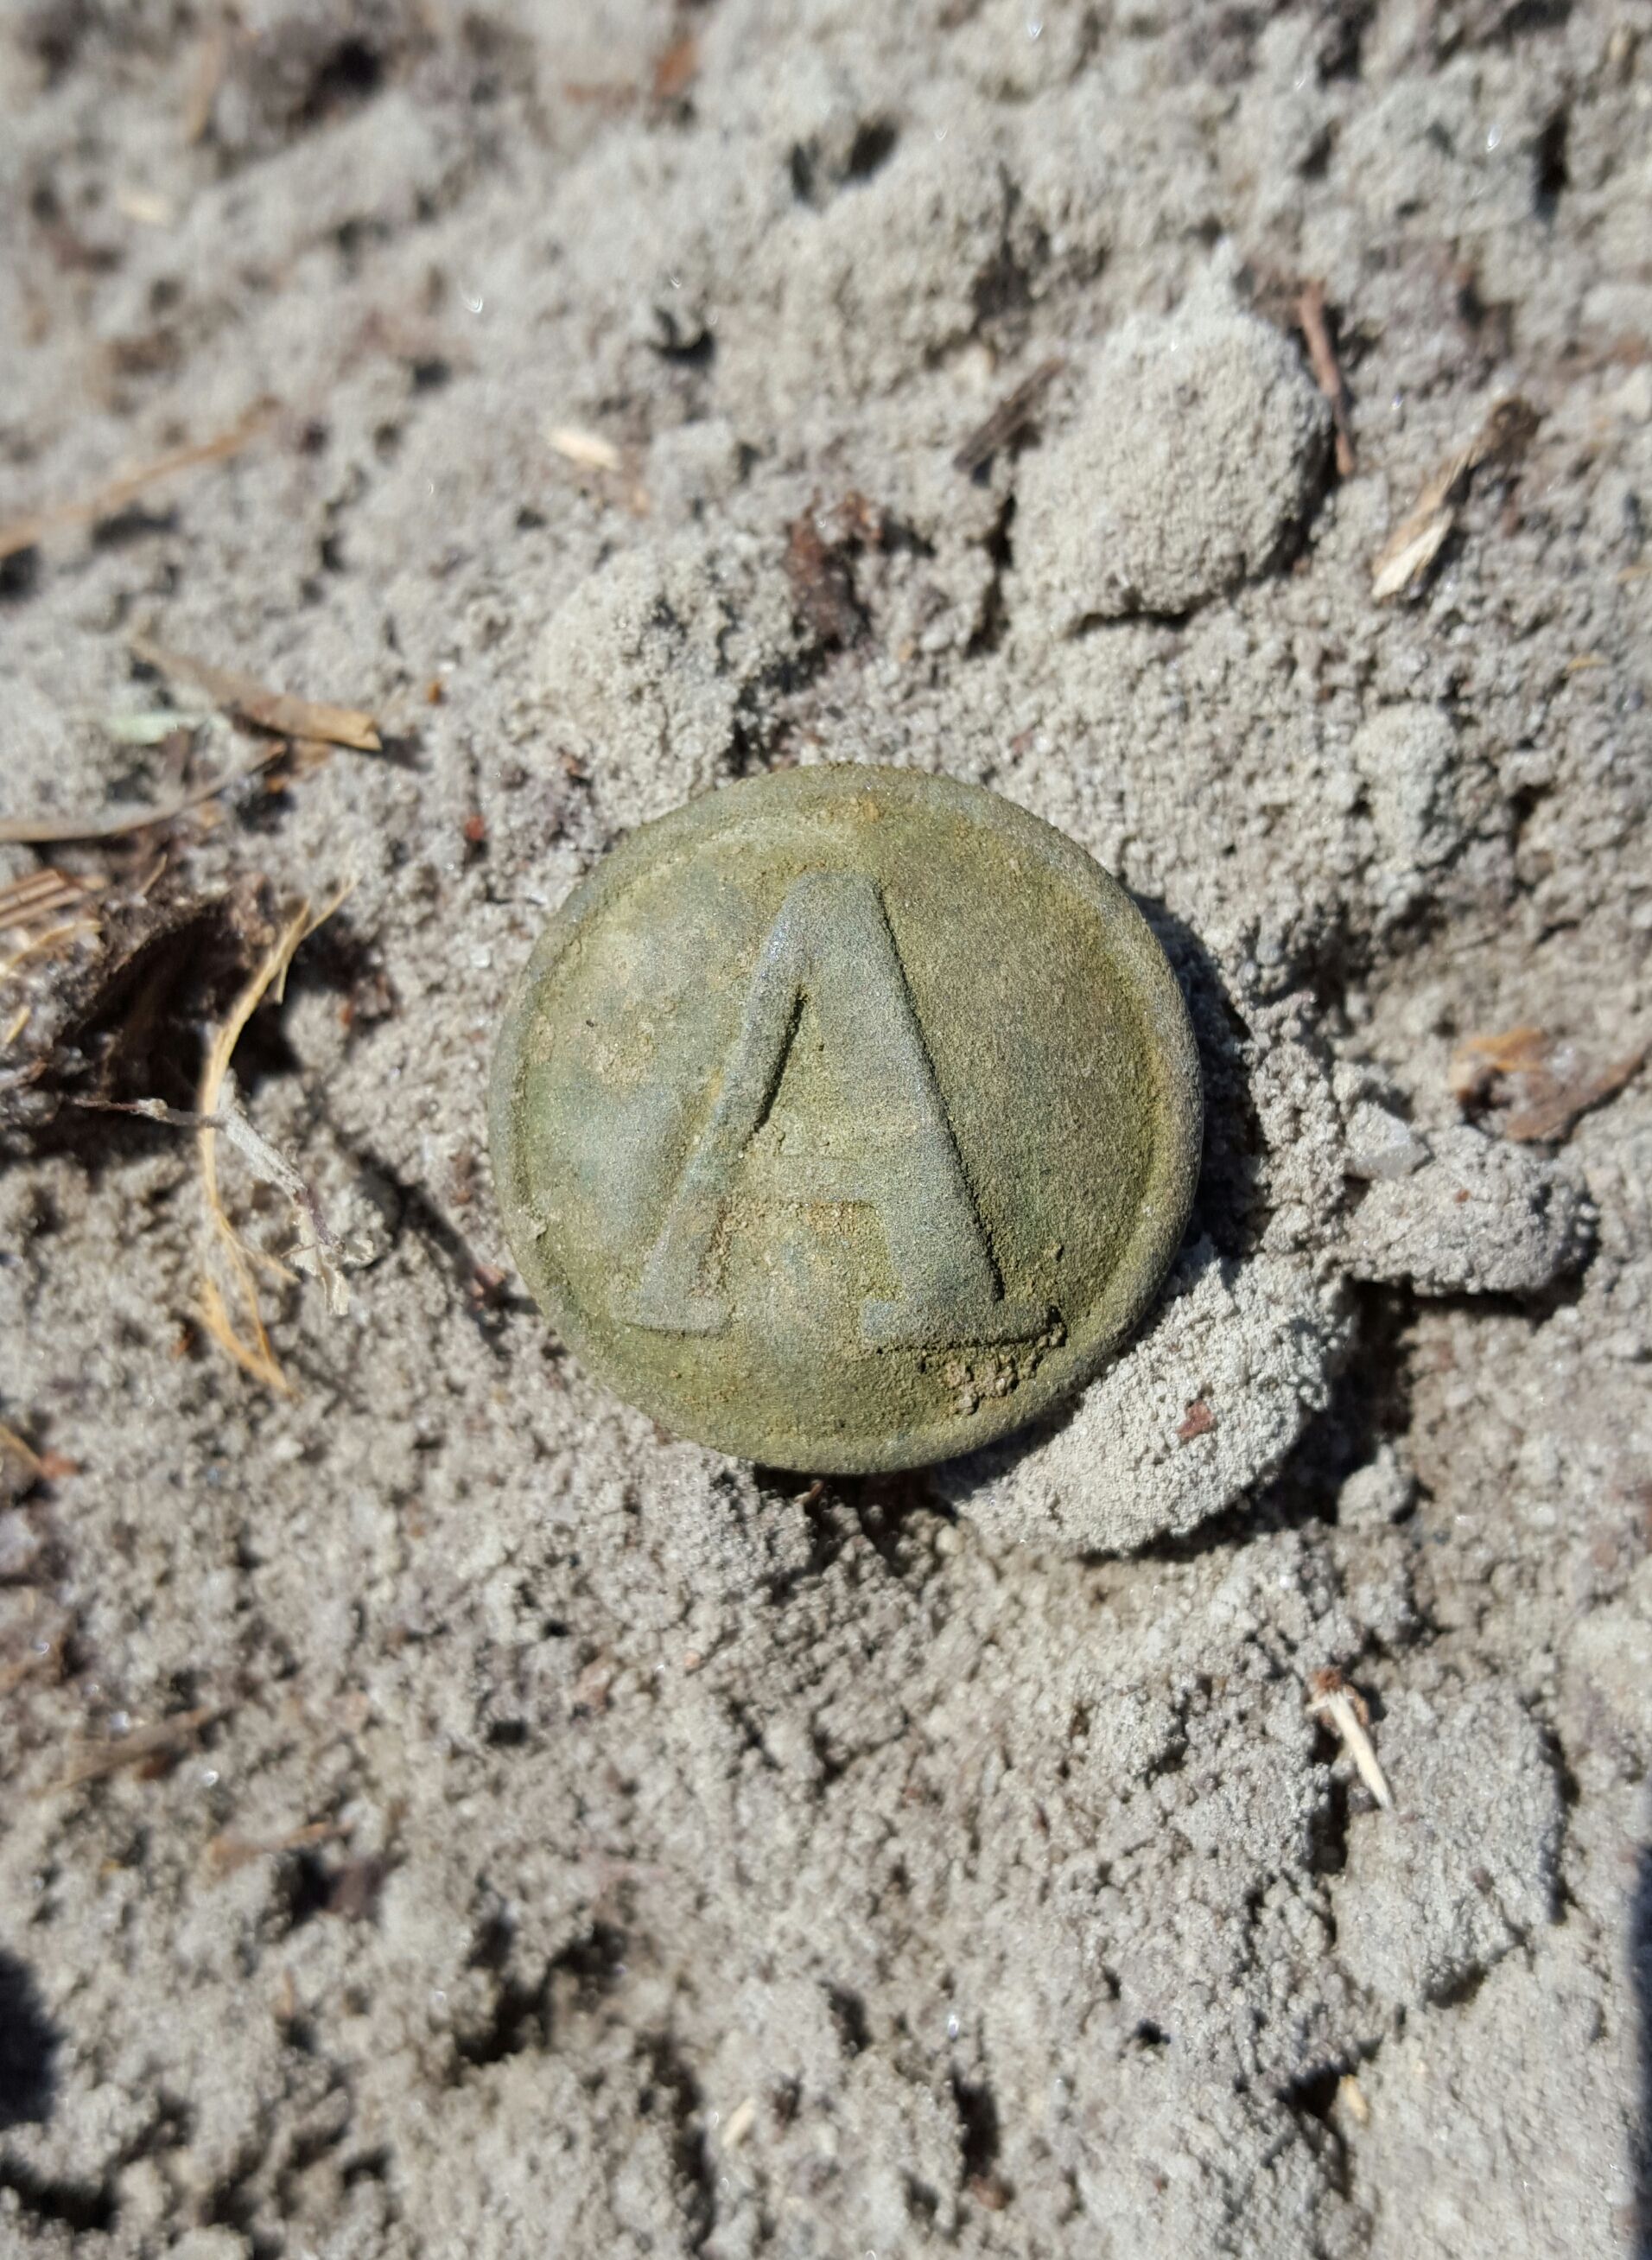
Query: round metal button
x=846 y=1119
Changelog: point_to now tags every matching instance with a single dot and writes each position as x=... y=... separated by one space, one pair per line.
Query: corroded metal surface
x=846 y=1119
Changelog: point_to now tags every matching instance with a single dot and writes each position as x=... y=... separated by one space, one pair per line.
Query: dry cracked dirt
x=443 y=1814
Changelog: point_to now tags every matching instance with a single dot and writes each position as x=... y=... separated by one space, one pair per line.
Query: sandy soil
x=566 y=1842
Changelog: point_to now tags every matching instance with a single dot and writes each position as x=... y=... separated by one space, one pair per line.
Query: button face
x=846 y=1119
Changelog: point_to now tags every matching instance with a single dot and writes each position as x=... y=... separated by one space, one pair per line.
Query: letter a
x=831 y=948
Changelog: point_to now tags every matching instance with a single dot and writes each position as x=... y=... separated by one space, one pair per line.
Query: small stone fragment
x=1382 y=1145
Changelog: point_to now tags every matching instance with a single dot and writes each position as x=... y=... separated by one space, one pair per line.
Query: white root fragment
x=320 y=1252
x=1351 y=2095
x=741 y=2119
x=588 y=449
x=1331 y=1697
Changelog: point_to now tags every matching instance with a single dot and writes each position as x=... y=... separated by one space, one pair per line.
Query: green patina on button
x=846 y=1119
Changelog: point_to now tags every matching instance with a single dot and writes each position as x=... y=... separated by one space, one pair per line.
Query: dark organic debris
x=820 y=550
x=1532 y=1087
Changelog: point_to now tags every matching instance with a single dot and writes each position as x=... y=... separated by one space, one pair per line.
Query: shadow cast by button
x=28 y=2049
x=1641 y=1979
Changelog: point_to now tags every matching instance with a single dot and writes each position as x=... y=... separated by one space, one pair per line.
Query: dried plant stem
x=106 y=501
x=1330 y=1696
x=247 y=1342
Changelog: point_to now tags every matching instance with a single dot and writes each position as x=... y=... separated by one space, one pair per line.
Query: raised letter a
x=831 y=948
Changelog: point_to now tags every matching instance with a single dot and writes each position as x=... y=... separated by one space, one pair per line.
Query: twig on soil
x=52 y=831
x=1327 y=370
x=109 y=501
x=1331 y=1697
x=161 y=1739
x=224 y=1854
x=1406 y=559
x=1543 y=1084
x=275 y=710
x=1010 y=418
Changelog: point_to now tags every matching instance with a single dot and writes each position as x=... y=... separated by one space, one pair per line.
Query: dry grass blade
x=53 y=831
x=1010 y=418
x=226 y=1853
x=160 y=1739
x=206 y=77
x=107 y=501
x=320 y=1252
x=247 y=1342
x=42 y=894
x=1406 y=559
x=22 y=1467
x=675 y=69
x=39 y=944
x=266 y=710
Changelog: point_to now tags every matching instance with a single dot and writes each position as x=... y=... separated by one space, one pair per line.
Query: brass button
x=846 y=1119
